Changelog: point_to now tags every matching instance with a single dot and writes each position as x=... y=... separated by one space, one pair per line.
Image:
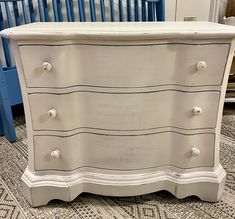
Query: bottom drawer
x=123 y=152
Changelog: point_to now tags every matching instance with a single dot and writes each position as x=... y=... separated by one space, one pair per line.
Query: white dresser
x=123 y=109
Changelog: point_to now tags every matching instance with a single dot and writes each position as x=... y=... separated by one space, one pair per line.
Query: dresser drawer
x=123 y=152
x=124 y=66
x=123 y=111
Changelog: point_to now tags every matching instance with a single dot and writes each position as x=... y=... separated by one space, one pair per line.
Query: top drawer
x=63 y=66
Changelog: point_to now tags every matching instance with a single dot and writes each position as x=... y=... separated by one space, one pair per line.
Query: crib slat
x=8 y=13
x=84 y=6
x=144 y=10
x=55 y=11
x=160 y=10
x=102 y=9
x=2 y=25
x=92 y=10
x=151 y=11
x=40 y=10
x=81 y=8
x=72 y=10
x=68 y=10
x=31 y=11
x=120 y=8
x=26 y=18
x=112 y=13
x=137 y=14
x=128 y=7
x=16 y=13
x=45 y=10
x=5 y=43
x=59 y=9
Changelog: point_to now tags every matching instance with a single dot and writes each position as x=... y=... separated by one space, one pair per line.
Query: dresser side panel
x=222 y=100
x=24 y=92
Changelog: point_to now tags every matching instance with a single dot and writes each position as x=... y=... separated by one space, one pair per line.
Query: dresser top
x=118 y=30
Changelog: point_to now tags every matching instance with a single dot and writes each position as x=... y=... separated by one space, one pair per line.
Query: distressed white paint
x=123 y=111
x=122 y=134
x=123 y=152
x=143 y=68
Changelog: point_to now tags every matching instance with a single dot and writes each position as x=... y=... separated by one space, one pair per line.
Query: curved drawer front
x=123 y=152
x=123 y=66
x=136 y=111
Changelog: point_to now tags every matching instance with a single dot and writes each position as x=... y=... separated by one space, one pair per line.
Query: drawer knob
x=55 y=154
x=201 y=66
x=52 y=113
x=195 y=152
x=46 y=66
x=197 y=111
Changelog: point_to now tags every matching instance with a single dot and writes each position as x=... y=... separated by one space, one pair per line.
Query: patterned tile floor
x=162 y=205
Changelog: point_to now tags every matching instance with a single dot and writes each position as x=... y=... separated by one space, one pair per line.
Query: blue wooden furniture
x=10 y=94
x=18 y=12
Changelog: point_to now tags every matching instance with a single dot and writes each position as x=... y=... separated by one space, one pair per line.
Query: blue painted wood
x=6 y=49
x=55 y=11
x=13 y=86
x=121 y=14
x=129 y=13
x=45 y=10
x=112 y=13
x=31 y=11
x=72 y=10
x=5 y=109
x=10 y=94
x=40 y=10
x=81 y=8
x=16 y=13
x=144 y=10
x=8 y=13
x=151 y=11
x=102 y=10
x=136 y=6
x=160 y=10
x=10 y=0
x=84 y=8
x=26 y=18
x=69 y=10
x=92 y=10
x=59 y=8
x=5 y=43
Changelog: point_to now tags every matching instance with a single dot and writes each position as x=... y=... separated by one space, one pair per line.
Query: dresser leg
x=206 y=191
x=39 y=196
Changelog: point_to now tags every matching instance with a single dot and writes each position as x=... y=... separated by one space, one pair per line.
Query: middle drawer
x=124 y=111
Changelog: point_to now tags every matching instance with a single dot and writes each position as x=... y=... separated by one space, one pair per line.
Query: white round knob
x=197 y=111
x=55 y=154
x=52 y=113
x=201 y=66
x=46 y=66
x=195 y=152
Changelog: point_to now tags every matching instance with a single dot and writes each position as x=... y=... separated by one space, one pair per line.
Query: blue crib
x=18 y=12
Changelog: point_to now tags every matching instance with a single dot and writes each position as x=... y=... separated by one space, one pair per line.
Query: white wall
x=170 y=10
x=200 y=10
